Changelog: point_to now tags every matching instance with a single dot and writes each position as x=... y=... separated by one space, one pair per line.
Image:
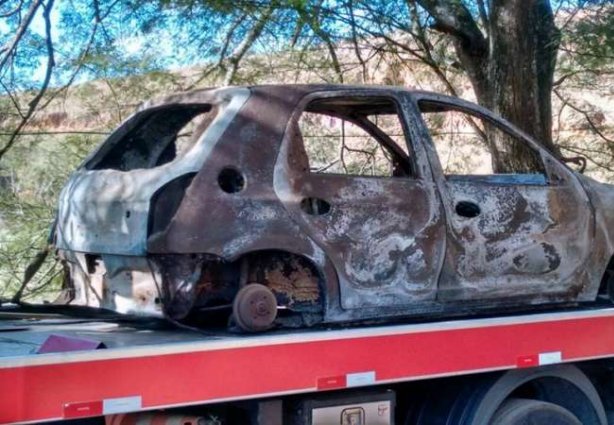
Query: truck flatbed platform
x=145 y=369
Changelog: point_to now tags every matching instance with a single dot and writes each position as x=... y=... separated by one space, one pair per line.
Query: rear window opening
x=156 y=137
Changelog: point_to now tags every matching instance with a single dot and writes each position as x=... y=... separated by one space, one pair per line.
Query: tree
x=509 y=53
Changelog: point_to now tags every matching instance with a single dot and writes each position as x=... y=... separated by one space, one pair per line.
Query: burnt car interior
x=355 y=136
x=157 y=136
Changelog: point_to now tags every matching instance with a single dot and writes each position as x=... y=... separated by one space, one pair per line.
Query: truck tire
x=518 y=411
x=477 y=400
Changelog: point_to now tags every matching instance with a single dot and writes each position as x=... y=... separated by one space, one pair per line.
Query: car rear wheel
x=254 y=308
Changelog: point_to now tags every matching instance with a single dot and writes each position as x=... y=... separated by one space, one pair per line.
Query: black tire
x=518 y=411
x=476 y=400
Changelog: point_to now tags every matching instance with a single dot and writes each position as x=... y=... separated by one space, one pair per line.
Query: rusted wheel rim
x=254 y=308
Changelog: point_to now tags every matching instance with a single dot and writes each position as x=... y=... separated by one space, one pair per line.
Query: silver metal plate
x=374 y=413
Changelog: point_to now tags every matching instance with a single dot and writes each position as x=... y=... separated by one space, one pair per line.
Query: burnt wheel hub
x=254 y=308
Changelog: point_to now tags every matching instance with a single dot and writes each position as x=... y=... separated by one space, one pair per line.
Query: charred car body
x=298 y=205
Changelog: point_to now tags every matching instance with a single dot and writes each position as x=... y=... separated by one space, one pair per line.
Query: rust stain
x=293 y=280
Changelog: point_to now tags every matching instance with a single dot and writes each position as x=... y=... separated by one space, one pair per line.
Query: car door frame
x=576 y=284
x=291 y=197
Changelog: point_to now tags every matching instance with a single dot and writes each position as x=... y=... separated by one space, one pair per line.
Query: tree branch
x=313 y=22
x=32 y=106
x=586 y=116
x=29 y=273
x=9 y=48
x=239 y=52
x=12 y=12
x=453 y=18
x=484 y=16
x=363 y=63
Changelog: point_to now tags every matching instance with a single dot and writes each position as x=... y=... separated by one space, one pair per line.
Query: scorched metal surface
x=200 y=194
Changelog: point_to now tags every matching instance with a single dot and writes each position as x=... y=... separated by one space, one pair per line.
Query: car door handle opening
x=315 y=206
x=467 y=209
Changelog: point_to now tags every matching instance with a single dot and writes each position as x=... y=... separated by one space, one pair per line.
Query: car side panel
x=385 y=236
x=532 y=243
x=210 y=220
x=529 y=240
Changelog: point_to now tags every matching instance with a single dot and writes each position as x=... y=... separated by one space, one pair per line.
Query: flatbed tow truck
x=357 y=295
x=556 y=366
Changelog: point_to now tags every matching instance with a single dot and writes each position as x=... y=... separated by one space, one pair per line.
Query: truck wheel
x=518 y=411
x=480 y=399
x=254 y=308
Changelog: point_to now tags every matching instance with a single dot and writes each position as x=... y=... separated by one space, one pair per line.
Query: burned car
x=291 y=205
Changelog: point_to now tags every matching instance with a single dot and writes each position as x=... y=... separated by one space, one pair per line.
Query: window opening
x=158 y=137
x=471 y=146
x=359 y=137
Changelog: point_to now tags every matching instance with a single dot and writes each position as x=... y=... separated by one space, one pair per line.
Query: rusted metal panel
x=528 y=240
x=385 y=236
x=294 y=280
x=383 y=255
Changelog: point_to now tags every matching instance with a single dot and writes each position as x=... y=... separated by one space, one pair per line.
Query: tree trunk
x=521 y=70
x=510 y=63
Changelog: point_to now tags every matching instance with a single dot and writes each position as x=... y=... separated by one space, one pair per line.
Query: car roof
x=200 y=95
